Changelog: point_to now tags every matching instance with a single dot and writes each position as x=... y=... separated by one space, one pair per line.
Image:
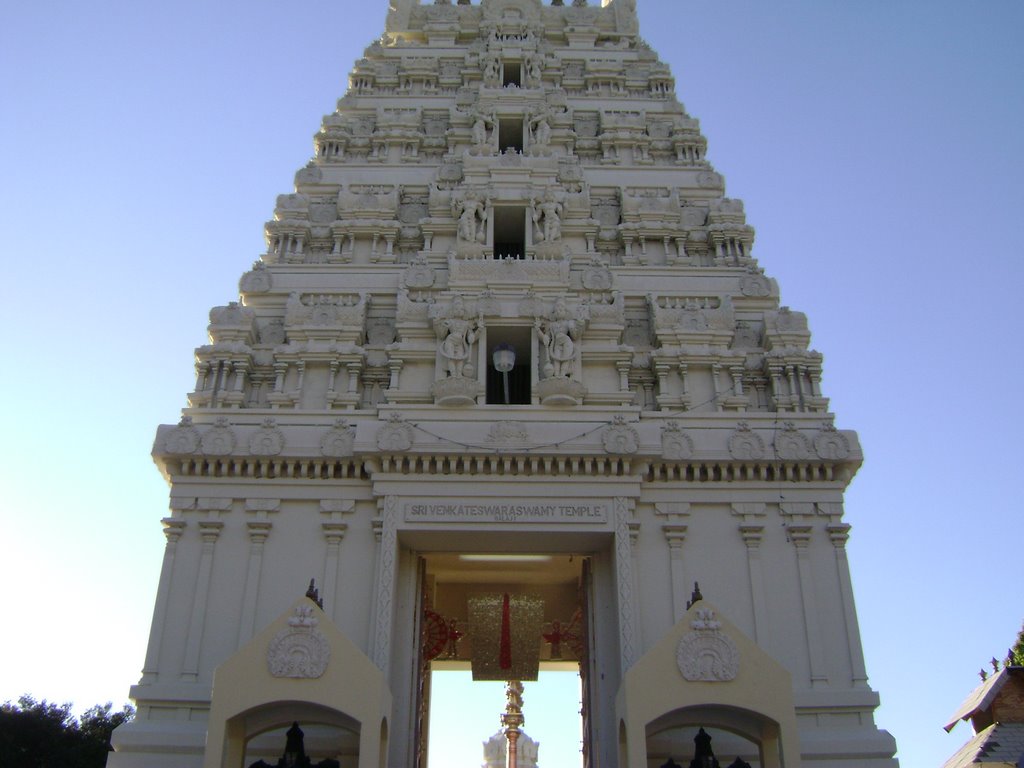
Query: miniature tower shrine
x=508 y=337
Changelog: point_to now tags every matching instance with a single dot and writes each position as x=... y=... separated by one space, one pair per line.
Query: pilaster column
x=839 y=533
x=675 y=529
x=209 y=531
x=334 y=531
x=259 y=527
x=624 y=534
x=751 y=528
x=173 y=528
x=798 y=530
x=387 y=558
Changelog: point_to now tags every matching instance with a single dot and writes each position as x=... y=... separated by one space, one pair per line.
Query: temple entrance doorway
x=490 y=618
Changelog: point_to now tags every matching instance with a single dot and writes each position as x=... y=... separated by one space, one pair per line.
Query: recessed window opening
x=512 y=74
x=518 y=339
x=510 y=133
x=509 y=231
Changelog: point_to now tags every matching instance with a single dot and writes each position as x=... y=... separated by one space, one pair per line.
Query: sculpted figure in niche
x=472 y=217
x=461 y=330
x=479 y=131
x=492 y=71
x=559 y=335
x=549 y=210
x=540 y=135
x=534 y=69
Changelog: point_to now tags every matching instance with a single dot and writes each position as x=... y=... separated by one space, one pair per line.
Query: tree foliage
x=1016 y=655
x=39 y=734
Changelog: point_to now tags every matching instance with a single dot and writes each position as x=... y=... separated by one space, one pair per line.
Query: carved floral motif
x=183 y=439
x=339 y=440
x=829 y=443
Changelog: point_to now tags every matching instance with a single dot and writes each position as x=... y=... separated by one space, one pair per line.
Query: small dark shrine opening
x=510 y=134
x=491 y=618
x=509 y=231
x=512 y=74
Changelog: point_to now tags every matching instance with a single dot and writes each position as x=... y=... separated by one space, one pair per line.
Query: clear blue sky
x=876 y=145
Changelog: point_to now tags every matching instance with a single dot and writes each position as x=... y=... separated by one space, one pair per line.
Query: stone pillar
x=334 y=531
x=259 y=529
x=173 y=528
x=209 y=530
x=839 y=533
x=675 y=534
x=798 y=529
x=751 y=528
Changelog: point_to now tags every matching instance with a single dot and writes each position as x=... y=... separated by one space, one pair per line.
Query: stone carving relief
x=267 y=440
x=220 y=439
x=745 y=444
x=311 y=174
x=471 y=212
x=183 y=439
x=710 y=180
x=419 y=274
x=675 y=443
x=300 y=650
x=831 y=444
x=339 y=441
x=620 y=438
x=256 y=280
x=706 y=654
x=547 y=217
x=559 y=333
x=508 y=434
x=458 y=330
x=755 y=284
x=597 y=276
x=395 y=434
x=790 y=444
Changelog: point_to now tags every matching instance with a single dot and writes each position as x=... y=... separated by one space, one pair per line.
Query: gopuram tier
x=507 y=381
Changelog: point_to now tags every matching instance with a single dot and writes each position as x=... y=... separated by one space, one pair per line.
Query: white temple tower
x=508 y=337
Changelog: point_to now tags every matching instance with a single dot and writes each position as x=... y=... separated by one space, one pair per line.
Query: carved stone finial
x=696 y=597
x=983 y=674
x=314 y=594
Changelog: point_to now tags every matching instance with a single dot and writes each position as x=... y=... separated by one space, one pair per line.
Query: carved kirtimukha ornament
x=395 y=435
x=220 y=439
x=790 y=444
x=267 y=440
x=183 y=439
x=706 y=654
x=300 y=650
x=831 y=444
x=745 y=443
x=675 y=443
x=339 y=440
x=620 y=438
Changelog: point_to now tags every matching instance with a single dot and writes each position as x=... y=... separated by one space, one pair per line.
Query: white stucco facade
x=665 y=422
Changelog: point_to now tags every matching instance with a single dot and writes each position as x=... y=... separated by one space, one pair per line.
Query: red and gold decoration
x=436 y=636
x=504 y=631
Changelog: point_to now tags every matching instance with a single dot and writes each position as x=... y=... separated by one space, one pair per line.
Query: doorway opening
x=460 y=722
x=512 y=387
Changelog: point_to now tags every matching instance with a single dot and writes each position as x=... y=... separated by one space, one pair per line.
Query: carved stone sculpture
x=559 y=334
x=459 y=331
x=547 y=217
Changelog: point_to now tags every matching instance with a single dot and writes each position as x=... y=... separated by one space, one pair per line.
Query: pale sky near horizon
x=875 y=144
